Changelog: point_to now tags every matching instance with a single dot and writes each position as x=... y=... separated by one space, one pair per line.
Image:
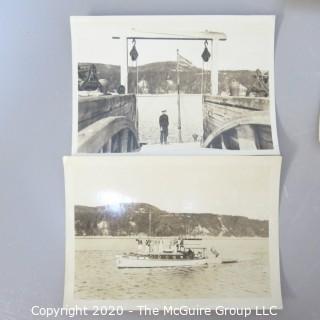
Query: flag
x=183 y=62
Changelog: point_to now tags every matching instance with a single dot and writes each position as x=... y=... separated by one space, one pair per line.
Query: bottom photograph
x=201 y=231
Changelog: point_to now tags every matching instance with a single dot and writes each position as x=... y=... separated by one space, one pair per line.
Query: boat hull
x=146 y=262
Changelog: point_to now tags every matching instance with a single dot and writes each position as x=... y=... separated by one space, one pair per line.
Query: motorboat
x=184 y=253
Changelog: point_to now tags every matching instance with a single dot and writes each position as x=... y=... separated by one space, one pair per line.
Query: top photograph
x=165 y=85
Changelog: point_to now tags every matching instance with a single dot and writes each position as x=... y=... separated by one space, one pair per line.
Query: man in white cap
x=164 y=124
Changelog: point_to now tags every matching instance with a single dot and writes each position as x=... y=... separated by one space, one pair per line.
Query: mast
x=149 y=224
x=178 y=97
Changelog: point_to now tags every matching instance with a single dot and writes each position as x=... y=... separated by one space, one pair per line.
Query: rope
x=202 y=77
x=137 y=79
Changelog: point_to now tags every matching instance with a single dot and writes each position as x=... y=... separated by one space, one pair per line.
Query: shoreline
x=164 y=237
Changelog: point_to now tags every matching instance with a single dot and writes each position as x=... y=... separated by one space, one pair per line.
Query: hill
x=133 y=219
x=161 y=78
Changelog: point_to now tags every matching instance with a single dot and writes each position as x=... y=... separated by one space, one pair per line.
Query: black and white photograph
x=161 y=232
x=174 y=85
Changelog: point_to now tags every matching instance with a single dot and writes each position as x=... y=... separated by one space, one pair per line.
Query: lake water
x=98 y=278
x=150 y=107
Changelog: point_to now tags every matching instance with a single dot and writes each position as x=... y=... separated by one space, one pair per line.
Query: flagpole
x=178 y=97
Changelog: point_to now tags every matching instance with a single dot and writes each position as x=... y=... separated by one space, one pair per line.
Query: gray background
x=35 y=123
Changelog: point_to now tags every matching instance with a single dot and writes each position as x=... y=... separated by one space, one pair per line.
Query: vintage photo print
x=174 y=85
x=196 y=231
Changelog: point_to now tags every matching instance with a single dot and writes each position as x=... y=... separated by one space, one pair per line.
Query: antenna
x=149 y=224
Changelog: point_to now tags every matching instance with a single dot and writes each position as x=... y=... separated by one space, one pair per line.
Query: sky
x=244 y=186
x=249 y=44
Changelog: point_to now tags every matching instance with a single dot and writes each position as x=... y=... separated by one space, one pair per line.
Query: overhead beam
x=206 y=35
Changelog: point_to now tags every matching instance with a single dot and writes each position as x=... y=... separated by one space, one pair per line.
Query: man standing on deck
x=164 y=124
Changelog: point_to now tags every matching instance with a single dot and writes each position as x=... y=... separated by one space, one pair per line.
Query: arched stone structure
x=228 y=119
x=108 y=124
x=254 y=118
x=112 y=134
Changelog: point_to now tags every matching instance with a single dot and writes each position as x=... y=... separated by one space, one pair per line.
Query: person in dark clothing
x=164 y=124
x=190 y=254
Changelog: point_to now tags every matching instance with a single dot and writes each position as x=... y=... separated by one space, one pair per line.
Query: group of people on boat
x=159 y=246
x=162 y=247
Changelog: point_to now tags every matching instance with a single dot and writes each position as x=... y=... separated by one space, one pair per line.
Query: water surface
x=98 y=278
x=150 y=108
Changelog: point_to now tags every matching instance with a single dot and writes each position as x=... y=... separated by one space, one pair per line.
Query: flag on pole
x=183 y=62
